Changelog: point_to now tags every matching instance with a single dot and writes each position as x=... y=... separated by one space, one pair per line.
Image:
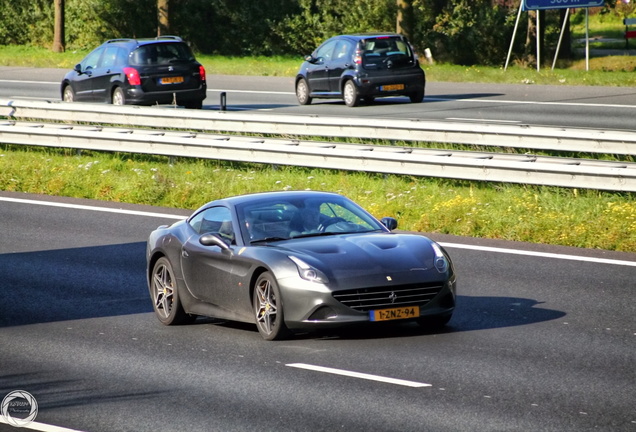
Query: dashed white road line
x=358 y=375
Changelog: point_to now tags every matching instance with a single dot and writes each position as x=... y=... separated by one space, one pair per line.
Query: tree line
x=468 y=32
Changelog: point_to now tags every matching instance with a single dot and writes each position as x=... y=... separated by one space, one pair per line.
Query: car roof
x=360 y=36
x=130 y=42
x=254 y=197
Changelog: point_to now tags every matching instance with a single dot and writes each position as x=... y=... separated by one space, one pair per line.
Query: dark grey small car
x=361 y=67
x=161 y=70
x=295 y=261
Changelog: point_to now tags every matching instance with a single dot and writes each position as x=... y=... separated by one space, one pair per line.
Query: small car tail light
x=202 y=73
x=132 y=75
x=357 y=57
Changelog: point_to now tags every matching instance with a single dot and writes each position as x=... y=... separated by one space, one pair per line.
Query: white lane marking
x=358 y=375
x=252 y=91
x=449 y=245
x=482 y=120
x=29 y=82
x=42 y=427
x=503 y=101
x=93 y=208
x=540 y=254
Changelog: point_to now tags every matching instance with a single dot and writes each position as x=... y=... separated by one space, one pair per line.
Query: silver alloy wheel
x=118 y=96
x=350 y=95
x=163 y=290
x=302 y=92
x=266 y=310
x=68 y=95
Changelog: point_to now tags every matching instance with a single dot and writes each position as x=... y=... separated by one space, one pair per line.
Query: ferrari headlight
x=308 y=272
x=441 y=263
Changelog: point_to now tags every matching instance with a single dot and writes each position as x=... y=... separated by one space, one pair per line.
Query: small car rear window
x=157 y=54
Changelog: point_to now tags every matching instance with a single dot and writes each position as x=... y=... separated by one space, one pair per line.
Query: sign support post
x=556 y=4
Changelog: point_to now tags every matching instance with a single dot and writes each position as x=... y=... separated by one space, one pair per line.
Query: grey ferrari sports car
x=296 y=260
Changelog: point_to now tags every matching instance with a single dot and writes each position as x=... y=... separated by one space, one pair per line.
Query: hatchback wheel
x=302 y=92
x=351 y=96
x=68 y=95
x=417 y=97
x=119 y=98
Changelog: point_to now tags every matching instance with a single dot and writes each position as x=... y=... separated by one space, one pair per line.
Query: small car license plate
x=392 y=87
x=394 y=313
x=171 y=80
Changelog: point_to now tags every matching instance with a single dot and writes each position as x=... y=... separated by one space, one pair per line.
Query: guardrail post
x=223 y=101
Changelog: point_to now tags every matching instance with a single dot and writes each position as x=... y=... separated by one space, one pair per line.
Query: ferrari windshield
x=282 y=218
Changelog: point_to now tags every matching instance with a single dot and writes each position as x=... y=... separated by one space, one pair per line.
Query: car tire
x=165 y=295
x=118 y=97
x=302 y=92
x=417 y=97
x=268 y=308
x=350 y=94
x=68 y=95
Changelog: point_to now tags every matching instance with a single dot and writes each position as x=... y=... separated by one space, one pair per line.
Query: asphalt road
x=568 y=106
x=538 y=342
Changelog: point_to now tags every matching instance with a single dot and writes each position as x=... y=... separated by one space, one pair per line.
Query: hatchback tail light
x=132 y=75
x=357 y=57
x=202 y=73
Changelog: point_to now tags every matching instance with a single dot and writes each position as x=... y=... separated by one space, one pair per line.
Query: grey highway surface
x=569 y=106
x=543 y=339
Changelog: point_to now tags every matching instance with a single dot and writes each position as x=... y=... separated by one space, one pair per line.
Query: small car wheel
x=165 y=296
x=350 y=94
x=118 y=98
x=302 y=92
x=68 y=95
x=417 y=97
x=268 y=308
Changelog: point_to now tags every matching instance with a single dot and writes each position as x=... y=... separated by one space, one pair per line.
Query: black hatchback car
x=162 y=70
x=361 y=67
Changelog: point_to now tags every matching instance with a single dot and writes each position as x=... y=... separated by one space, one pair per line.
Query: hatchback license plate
x=392 y=87
x=394 y=313
x=171 y=80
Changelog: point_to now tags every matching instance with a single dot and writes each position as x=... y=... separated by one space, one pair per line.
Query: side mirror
x=214 y=240
x=389 y=222
x=78 y=68
x=309 y=58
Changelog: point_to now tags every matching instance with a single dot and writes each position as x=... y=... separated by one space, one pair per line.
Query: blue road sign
x=560 y=4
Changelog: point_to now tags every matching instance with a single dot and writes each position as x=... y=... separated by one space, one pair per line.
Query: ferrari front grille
x=365 y=299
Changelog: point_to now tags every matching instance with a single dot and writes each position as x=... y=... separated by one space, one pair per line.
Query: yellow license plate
x=394 y=313
x=172 y=80
x=392 y=87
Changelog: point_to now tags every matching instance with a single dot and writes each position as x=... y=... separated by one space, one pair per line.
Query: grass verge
x=582 y=218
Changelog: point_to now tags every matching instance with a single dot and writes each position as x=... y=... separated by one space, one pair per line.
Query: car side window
x=215 y=220
x=92 y=60
x=344 y=51
x=325 y=52
x=112 y=57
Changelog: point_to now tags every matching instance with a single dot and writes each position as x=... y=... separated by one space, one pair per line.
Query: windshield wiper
x=268 y=239
x=318 y=234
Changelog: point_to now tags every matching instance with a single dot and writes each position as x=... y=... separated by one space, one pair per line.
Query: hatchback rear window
x=377 y=51
x=158 y=54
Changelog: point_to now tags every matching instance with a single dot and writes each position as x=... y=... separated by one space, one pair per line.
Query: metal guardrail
x=498 y=167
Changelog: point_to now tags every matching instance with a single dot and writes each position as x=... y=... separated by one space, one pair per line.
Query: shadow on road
x=67 y=284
